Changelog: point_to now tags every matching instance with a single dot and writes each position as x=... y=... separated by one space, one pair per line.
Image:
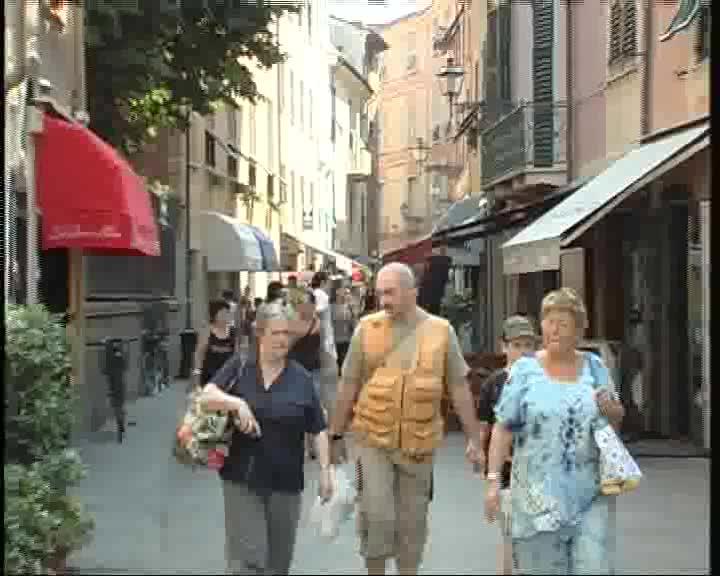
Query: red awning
x=412 y=254
x=89 y=195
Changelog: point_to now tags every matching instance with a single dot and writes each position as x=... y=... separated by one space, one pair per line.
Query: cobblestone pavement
x=155 y=516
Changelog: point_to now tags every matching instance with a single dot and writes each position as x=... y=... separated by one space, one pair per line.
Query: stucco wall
x=680 y=84
x=589 y=70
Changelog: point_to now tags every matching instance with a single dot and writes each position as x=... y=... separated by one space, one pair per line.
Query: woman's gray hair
x=275 y=310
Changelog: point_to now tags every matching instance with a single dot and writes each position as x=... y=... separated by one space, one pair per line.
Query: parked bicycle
x=154 y=362
x=113 y=364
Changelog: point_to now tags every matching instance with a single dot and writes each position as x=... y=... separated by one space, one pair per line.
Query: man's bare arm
x=351 y=382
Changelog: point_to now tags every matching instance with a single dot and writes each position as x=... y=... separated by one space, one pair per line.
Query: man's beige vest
x=399 y=409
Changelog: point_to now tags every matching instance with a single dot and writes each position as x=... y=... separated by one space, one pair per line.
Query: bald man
x=401 y=362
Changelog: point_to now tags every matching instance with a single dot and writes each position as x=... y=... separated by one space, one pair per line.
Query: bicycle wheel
x=165 y=366
x=148 y=374
x=120 y=423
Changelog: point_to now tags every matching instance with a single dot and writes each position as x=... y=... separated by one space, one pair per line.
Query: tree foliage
x=150 y=61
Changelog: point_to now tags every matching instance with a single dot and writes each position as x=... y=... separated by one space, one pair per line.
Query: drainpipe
x=34 y=126
x=569 y=97
x=188 y=228
x=279 y=147
x=16 y=74
x=188 y=337
x=645 y=124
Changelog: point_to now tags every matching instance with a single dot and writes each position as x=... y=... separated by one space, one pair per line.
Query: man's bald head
x=396 y=289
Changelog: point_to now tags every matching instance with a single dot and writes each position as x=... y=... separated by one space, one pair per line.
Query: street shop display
x=202 y=439
x=619 y=473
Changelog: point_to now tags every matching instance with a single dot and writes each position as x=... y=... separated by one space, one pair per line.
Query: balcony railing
x=531 y=137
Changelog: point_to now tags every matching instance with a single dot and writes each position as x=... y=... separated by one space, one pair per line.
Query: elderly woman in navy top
x=553 y=402
x=263 y=473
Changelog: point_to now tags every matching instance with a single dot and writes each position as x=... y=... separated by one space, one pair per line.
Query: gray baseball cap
x=518 y=327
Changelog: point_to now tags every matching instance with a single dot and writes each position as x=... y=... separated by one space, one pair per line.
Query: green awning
x=687 y=11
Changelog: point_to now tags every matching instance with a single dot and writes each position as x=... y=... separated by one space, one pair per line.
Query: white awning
x=231 y=245
x=341 y=261
x=538 y=246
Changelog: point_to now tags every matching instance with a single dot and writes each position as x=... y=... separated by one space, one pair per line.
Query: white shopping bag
x=618 y=470
x=326 y=517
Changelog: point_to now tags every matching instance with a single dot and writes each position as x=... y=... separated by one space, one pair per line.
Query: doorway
x=55 y=280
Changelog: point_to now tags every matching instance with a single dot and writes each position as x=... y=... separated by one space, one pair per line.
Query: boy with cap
x=519 y=338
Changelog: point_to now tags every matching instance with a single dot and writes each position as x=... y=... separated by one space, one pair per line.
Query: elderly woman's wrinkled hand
x=607 y=405
x=247 y=423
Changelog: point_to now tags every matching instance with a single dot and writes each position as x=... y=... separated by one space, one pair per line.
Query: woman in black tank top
x=306 y=349
x=217 y=346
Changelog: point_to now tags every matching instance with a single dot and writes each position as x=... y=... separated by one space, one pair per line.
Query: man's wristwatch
x=335 y=437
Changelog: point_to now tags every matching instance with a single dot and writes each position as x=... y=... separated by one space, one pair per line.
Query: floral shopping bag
x=203 y=436
x=619 y=472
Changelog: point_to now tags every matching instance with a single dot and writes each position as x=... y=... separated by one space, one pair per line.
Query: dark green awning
x=687 y=11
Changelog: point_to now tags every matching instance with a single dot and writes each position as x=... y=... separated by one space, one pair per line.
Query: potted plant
x=43 y=521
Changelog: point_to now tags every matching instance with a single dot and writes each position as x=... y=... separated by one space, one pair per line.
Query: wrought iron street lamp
x=420 y=151
x=451 y=79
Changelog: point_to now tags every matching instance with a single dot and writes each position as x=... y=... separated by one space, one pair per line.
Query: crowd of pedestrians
x=323 y=364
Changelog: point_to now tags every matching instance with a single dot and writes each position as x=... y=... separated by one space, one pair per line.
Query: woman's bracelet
x=196 y=372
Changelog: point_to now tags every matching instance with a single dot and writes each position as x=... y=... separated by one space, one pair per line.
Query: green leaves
x=37 y=370
x=148 y=59
x=40 y=517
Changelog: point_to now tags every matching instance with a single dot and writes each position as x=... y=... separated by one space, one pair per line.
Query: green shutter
x=629 y=32
x=687 y=11
x=543 y=15
x=616 y=27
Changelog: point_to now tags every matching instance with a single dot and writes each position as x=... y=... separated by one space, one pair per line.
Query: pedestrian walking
x=553 y=402
x=263 y=474
x=275 y=291
x=305 y=341
x=343 y=322
x=216 y=344
x=229 y=297
x=400 y=363
x=518 y=339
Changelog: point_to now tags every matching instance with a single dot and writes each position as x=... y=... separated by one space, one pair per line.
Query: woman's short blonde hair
x=567 y=300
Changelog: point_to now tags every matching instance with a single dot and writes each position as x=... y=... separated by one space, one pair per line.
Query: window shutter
x=504 y=37
x=702 y=33
x=616 y=14
x=490 y=73
x=629 y=29
x=543 y=83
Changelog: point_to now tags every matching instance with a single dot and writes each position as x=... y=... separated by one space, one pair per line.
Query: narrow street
x=154 y=516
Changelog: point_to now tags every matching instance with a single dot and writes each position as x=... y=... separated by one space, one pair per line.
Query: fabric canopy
x=233 y=246
x=411 y=254
x=538 y=247
x=686 y=13
x=89 y=195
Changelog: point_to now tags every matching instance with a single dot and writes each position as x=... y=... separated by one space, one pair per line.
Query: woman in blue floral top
x=548 y=411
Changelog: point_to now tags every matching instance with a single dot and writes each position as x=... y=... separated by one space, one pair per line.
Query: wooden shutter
x=702 y=33
x=616 y=24
x=543 y=16
x=504 y=56
x=629 y=28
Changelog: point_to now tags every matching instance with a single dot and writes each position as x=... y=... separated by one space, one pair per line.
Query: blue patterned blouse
x=555 y=474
